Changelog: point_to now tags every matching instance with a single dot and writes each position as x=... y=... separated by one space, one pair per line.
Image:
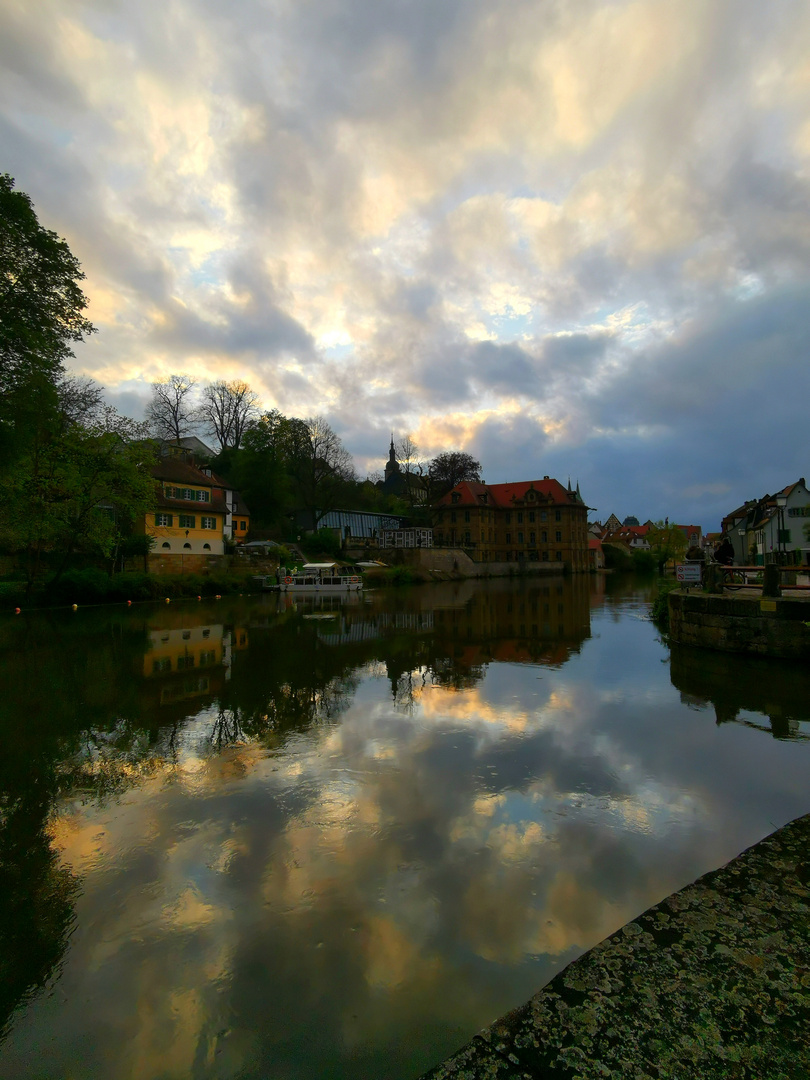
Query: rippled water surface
x=247 y=838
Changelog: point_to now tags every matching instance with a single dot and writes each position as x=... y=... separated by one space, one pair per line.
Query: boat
x=321 y=577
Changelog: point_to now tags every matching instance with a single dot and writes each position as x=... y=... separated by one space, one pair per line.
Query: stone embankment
x=777 y=626
x=712 y=982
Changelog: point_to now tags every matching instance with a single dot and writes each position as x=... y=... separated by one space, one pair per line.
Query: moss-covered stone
x=713 y=982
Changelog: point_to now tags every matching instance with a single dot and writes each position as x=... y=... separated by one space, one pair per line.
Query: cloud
x=447 y=216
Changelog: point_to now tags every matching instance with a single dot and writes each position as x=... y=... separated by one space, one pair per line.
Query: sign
x=689 y=574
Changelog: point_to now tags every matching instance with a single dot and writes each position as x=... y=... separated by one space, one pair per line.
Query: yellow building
x=188 y=520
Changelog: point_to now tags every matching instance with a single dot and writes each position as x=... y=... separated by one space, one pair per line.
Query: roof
x=594 y=543
x=182 y=472
x=216 y=505
x=505 y=496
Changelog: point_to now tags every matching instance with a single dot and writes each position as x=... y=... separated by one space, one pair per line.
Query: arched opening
x=187 y=546
x=206 y=547
x=166 y=544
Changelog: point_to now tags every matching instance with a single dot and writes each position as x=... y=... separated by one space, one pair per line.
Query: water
x=245 y=839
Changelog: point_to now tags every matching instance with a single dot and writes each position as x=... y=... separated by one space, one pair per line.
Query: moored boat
x=321 y=577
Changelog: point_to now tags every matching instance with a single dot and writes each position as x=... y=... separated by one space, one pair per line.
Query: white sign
x=689 y=573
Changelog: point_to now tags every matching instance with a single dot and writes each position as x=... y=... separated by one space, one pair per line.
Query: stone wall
x=186 y=564
x=768 y=627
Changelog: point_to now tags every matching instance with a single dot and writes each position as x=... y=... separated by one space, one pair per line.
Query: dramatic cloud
x=570 y=238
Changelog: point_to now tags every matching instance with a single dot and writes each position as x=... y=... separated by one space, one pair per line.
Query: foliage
x=451 y=468
x=93 y=586
x=323 y=542
x=171 y=413
x=644 y=562
x=660 y=606
x=41 y=304
x=616 y=558
x=226 y=411
x=666 y=542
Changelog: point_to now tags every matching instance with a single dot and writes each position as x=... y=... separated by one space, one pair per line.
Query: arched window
x=167 y=545
x=206 y=547
x=187 y=546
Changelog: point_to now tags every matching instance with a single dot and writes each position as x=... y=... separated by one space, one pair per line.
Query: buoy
x=16 y=611
x=75 y=607
x=129 y=603
x=199 y=598
x=168 y=601
x=217 y=597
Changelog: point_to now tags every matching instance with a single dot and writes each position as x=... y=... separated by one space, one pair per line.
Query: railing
x=752 y=577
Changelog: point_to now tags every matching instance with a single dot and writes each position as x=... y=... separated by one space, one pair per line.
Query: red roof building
x=530 y=520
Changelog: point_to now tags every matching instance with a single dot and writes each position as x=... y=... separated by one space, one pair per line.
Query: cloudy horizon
x=570 y=239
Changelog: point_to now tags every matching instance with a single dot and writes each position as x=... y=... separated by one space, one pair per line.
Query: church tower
x=392 y=465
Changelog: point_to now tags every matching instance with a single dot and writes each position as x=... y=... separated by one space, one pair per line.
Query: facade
x=190 y=509
x=533 y=521
x=353 y=525
x=406 y=538
x=771 y=529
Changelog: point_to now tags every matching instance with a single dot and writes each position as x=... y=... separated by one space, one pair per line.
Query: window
x=187 y=521
x=543 y=515
x=545 y=556
x=166 y=544
x=185 y=662
x=163 y=664
x=544 y=536
x=509 y=538
x=467 y=517
x=558 y=536
x=799 y=511
x=520 y=517
x=187 y=493
x=559 y=556
x=203 y=496
x=520 y=537
x=206 y=547
x=531 y=538
x=242 y=526
x=455 y=496
x=208 y=657
x=452 y=517
x=208 y=523
x=783 y=536
x=508 y=518
x=467 y=538
x=164 y=520
x=187 y=546
x=557 y=515
x=531 y=517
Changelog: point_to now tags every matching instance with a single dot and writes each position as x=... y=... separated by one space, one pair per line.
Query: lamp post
x=781 y=503
x=741 y=534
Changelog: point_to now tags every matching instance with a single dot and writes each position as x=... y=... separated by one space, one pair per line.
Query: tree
x=666 y=542
x=171 y=413
x=320 y=466
x=226 y=411
x=41 y=309
x=451 y=468
x=79 y=487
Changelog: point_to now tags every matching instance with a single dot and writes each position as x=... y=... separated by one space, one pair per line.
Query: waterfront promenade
x=712 y=982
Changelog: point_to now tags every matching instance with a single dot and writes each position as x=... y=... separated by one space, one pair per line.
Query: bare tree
x=408 y=455
x=171 y=413
x=80 y=399
x=226 y=411
x=320 y=466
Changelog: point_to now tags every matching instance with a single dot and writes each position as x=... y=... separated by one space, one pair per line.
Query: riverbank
x=712 y=982
x=765 y=626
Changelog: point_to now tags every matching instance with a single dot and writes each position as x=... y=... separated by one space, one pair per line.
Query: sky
x=571 y=238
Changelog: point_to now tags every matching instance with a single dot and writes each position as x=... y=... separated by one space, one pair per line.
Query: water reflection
x=307 y=838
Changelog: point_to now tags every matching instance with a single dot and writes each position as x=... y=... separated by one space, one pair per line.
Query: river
x=255 y=838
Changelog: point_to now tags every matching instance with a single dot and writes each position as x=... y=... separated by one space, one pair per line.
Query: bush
x=644 y=562
x=660 y=605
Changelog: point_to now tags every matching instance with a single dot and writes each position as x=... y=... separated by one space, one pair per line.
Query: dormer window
x=456 y=496
x=483 y=496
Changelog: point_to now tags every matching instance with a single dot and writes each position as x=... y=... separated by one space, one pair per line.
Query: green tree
x=41 y=311
x=77 y=487
x=666 y=542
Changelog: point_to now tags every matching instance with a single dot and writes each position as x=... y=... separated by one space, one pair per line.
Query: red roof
x=595 y=544
x=504 y=496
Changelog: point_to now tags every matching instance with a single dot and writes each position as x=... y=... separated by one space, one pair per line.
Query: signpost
x=688 y=573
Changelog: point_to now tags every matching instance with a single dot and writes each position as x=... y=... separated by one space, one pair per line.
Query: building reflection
x=775 y=695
